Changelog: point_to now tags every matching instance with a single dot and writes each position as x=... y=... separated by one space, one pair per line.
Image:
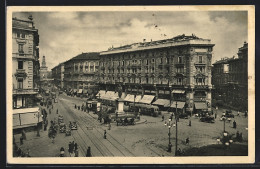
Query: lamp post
x=176 y=119
x=169 y=134
x=224 y=120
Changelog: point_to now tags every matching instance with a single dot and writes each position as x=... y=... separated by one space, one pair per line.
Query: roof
x=222 y=61
x=23 y=24
x=144 y=45
x=85 y=56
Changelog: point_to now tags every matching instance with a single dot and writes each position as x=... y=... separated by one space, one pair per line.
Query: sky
x=64 y=35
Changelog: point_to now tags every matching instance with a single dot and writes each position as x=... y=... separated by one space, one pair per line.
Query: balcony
x=20 y=73
x=200 y=64
x=198 y=99
x=25 y=91
x=201 y=86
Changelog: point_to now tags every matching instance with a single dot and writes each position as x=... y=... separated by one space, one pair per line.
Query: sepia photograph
x=137 y=84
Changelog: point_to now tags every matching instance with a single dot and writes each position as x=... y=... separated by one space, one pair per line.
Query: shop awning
x=147 y=99
x=162 y=102
x=101 y=93
x=200 y=106
x=180 y=105
x=178 y=91
x=80 y=91
x=136 y=99
x=110 y=95
x=129 y=98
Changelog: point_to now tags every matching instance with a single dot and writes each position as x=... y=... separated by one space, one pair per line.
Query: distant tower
x=43 y=70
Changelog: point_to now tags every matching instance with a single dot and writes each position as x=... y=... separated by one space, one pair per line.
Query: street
x=149 y=138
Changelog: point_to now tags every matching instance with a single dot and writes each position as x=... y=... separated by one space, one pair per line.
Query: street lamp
x=176 y=119
x=224 y=120
x=169 y=134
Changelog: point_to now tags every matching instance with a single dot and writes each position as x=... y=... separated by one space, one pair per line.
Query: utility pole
x=176 y=119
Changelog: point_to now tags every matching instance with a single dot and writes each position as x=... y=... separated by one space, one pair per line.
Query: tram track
x=87 y=119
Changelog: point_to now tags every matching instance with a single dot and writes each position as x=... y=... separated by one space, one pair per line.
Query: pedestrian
x=21 y=140
x=62 y=152
x=78 y=107
x=88 y=154
x=105 y=134
x=72 y=145
x=57 y=111
x=234 y=124
x=162 y=117
x=109 y=126
x=245 y=114
x=187 y=140
x=75 y=106
x=189 y=122
x=70 y=148
x=237 y=135
x=215 y=115
x=76 y=146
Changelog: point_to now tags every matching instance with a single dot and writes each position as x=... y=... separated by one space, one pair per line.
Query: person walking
x=187 y=140
x=162 y=117
x=76 y=146
x=70 y=148
x=75 y=106
x=105 y=134
x=190 y=123
x=21 y=140
x=88 y=154
x=234 y=124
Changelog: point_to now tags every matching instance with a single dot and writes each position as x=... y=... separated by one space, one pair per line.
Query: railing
x=25 y=91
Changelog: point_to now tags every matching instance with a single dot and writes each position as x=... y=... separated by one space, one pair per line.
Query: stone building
x=231 y=85
x=43 y=70
x=58 y=75
x=25 y=72
x=81 y=74
x=169 y=70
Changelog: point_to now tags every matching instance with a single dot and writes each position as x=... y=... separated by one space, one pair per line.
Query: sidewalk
x=42 y=146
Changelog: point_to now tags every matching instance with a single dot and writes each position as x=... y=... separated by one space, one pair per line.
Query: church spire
x=43 y=62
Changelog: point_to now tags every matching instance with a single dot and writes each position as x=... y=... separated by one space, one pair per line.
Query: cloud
x=64 y=35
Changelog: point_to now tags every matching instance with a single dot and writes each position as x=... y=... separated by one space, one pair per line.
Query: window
x=200 y=81
x=161 y=60
x=146 y=61
x=179 y=81
x=200 y=59
x=147 y=80
x=179 y=59
x=20 y=64
x=20 y=48
x=153 y=60
x=167 y=60
x=20 y=83
x=152 y=70
x=123 y=63
x=180 y=70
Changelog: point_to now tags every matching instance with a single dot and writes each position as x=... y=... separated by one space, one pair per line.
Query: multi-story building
x=58 y=75
x=176 y=69
x=81 y=74
x=231 y=83
x=25 y=76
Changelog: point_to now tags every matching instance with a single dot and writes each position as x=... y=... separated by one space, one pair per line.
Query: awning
x=129 y=98
x=110 y=95
x=180 y=105
x=178 y=91
x=136 y=99
x=80 y=91
x=101 y=93
x=162 y=102
x=147 y=99
x=201 y=106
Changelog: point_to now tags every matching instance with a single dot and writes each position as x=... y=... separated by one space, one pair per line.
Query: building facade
x=231 y=85
x=25 y=76
x=58 y=75
x=177 y=69
x=81 y=74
